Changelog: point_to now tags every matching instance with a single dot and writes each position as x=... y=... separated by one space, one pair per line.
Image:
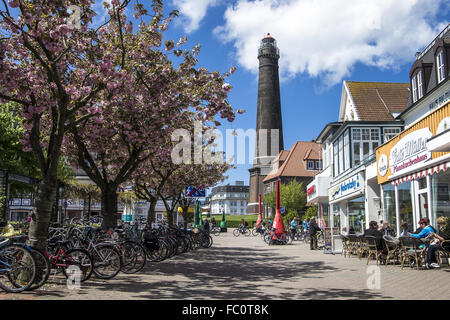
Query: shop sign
x=311 y=190
x=346 y=187
x=409 y=152
x=382 y=165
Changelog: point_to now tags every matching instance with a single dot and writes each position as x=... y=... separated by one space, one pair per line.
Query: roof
x=376 y=101
x=294 y=165
x=426 y=61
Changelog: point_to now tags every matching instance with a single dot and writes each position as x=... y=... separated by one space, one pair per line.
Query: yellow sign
x=408 y=151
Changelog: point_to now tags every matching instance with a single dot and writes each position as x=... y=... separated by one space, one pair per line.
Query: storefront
x=317 y=193
x=347 y=199
x=412 y=172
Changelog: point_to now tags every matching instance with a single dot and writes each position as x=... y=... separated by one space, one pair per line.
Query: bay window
x=364 y=143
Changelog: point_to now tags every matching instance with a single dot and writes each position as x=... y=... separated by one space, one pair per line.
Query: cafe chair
x=444 y=253
x=392 y=249
x=353 y=244
x=345 y=246
x=363 y=249
x=411 y=250
x=372 y=249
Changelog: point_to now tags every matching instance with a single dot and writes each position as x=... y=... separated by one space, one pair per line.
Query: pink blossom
x=13 y=3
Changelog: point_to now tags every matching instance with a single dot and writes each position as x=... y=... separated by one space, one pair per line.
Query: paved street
x=247 y=268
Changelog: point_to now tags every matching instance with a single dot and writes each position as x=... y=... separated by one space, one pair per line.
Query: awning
x=422 y=173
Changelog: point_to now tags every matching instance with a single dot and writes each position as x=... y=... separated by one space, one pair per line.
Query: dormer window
x=414 y=88
x=440 y=66
x=419 y=85
x=318 y=165
x=310 y=165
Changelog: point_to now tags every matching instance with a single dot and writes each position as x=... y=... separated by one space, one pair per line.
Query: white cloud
x=193 y=12
x=323 y=38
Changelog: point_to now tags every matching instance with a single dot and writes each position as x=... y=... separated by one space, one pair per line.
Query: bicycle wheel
x=134 y=257
x=107 y=261
x=79 y=258
x=236 y=232
x=247 y=232
x=43 y=268
x=216 y=231
x=18 y=268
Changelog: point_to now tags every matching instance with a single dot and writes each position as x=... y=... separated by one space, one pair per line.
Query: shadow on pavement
x=227 y=273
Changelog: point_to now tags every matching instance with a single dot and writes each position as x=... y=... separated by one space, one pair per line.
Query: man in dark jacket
x=313 y=229
x=374 y=232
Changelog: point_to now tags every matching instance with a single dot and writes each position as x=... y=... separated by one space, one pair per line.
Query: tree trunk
x=151 y=211
x=44 y=202
x=109 y=208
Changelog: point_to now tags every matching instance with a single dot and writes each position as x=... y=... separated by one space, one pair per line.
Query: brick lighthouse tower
x=269 y=130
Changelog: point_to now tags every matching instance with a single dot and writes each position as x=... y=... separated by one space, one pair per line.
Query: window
x=419 y=85
x=335 y=161
x=318 y=166
x=346 y=151
x=414 y=88
x=341 y=154
x=364 y=143
x=389 y=133
x=440 y=66
x=310 y=165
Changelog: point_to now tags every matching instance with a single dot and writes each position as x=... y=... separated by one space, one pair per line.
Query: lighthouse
x=269 y=130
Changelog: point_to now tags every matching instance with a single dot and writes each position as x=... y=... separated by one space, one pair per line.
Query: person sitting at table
x=387 y=230
x=435 y=242
x=405 y=229
x=426 y=229
x=374 y=232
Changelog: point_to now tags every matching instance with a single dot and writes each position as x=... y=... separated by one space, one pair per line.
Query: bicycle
x=17 y=267
x=43 y=266
x=107 y=258
x=215 y=230
x=274 y=238
x=62 y=258
x=241 y=230
x=257 y=231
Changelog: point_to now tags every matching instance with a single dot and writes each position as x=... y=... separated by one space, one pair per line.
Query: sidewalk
x=247 y=268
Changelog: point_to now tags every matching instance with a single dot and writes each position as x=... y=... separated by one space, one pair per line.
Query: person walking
x=294 y=225
x=206 y=225
x=313 y=229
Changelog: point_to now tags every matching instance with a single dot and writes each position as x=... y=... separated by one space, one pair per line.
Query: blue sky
x=321 y=42
x=333 y=41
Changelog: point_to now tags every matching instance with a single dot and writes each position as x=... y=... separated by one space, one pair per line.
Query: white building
x=231 y=199
x=346 y=190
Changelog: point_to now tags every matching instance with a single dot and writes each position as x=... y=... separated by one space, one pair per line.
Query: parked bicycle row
x=83 y=250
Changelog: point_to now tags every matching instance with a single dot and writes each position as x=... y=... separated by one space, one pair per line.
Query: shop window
x=422 y=183
x=389 y=205
x=440 y=196
x=405 y=205
x=337 y=216
x=356 y=215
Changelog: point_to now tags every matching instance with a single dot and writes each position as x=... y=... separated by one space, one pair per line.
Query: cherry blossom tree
x=138 y=113
x=54 y=70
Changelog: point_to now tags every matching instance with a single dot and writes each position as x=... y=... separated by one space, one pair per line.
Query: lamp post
x=223 y=223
